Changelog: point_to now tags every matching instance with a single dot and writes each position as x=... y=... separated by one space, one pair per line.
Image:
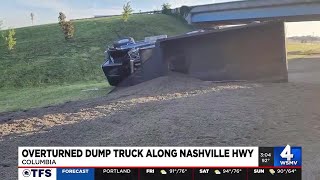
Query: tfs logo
x=287 y=156
x=37 y=173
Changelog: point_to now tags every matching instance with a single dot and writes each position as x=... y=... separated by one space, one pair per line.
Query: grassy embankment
x=45 y=70
x=298 y=50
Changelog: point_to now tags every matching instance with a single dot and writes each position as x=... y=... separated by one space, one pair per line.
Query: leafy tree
x=10 y=39
x=184 y=11
x=1 y=23
x=166 y=9
x=62 y=17
x=32 y=17
x=127 y=10
x=66 y=26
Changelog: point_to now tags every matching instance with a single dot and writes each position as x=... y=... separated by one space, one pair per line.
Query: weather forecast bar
x=142 y=163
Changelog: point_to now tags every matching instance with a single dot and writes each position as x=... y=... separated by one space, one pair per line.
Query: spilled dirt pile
x=174 y=86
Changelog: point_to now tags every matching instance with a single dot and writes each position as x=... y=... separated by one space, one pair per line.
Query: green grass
x=44 y=63
x=43 y=57
x=298 y=50
x=26 y=98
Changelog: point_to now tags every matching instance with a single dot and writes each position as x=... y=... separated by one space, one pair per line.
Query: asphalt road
x=305 y=71
x=180 y=111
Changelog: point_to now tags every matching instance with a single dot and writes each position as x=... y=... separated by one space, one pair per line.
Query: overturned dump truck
x=126 y=57
x=255 y=52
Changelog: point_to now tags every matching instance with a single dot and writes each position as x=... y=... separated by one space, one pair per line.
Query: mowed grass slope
x=43 y=57
x=50 y=68
x=30 y=97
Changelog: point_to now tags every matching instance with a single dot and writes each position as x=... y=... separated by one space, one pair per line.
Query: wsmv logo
x=287 y=156
x=37 y=173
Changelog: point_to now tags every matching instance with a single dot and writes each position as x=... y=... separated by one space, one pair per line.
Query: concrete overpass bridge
x=255 y=10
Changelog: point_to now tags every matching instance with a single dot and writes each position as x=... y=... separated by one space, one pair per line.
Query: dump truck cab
x=123 y=58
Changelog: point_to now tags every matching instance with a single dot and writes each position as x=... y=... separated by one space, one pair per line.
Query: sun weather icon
x=26 y=173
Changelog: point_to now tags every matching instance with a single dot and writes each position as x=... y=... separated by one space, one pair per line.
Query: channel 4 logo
x=287 y=156
x=36 y=173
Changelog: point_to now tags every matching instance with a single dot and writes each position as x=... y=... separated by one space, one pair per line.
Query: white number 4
x=286 y=153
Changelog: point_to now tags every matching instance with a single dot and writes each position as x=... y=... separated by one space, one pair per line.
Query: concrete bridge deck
x=255 y=10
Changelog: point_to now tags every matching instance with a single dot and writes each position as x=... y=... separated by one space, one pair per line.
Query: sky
x=16 y=13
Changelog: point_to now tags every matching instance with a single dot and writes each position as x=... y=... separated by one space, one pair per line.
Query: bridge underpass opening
x=303 y=52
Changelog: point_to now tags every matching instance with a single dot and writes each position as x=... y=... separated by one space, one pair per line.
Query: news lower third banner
x=137 y=156
x=143 y=162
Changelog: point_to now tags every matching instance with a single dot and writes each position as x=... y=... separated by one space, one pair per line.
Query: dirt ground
x=180 y=111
